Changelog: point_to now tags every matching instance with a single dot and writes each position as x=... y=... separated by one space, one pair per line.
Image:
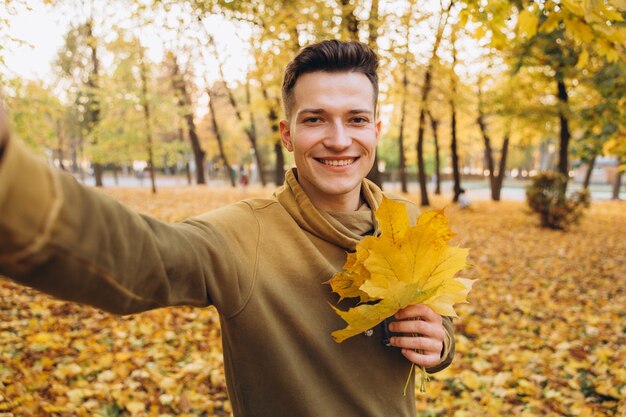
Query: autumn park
x=507 y=118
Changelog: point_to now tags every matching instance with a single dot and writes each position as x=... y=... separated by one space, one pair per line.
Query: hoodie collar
x=293 y=198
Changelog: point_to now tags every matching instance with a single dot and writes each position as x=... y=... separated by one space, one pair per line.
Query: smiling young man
x=262 y=263
x=332 y=132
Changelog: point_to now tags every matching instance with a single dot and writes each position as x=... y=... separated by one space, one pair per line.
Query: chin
x=339 y=189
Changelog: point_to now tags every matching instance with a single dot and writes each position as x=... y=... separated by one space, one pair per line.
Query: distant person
x=243 y=177
x=463 y=200
x=261 y=262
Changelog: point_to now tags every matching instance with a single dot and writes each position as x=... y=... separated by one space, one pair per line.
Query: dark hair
x=330 y=56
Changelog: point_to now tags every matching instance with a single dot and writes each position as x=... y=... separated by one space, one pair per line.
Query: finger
x=433 y=331
x=421 y=359
x=426 y=345
x=419 y=310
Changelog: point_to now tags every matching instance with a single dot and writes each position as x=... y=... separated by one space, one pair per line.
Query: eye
x=359 y=120
x=312 y=120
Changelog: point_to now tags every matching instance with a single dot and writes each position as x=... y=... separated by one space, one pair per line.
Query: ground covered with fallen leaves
x=544 y=334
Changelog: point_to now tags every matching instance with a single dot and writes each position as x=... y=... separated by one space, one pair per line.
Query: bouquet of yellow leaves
x=403 y=266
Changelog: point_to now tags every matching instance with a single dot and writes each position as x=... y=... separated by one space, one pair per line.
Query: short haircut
x=330 y=56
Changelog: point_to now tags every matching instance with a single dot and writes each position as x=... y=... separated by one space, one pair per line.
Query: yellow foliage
x=538 y=289
x=527 y=23
x=583 y=59
x=401 y=267
x=579 y=30
x=574 y=6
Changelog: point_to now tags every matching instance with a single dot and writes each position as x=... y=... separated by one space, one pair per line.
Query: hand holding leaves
x=402 y=267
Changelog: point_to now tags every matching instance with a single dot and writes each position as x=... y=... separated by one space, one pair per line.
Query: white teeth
x=338 y=163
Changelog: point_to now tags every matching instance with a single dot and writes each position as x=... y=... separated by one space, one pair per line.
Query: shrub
x=546 y=196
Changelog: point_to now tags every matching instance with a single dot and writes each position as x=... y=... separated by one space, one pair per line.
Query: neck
x=350 y=201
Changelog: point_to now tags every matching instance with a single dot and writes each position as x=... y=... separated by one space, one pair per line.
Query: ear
x=285 y=135
x=379 y=126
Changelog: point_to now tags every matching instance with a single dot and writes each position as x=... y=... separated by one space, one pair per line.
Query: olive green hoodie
x=261 y=262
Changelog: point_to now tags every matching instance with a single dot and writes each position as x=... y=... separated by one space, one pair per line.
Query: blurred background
x=491 y=91
x=172 y=107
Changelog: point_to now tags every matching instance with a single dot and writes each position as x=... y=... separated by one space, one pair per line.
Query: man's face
x=333 y=135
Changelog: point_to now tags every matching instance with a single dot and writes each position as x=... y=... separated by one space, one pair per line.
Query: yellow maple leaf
x=403 y=266
x=348 y=282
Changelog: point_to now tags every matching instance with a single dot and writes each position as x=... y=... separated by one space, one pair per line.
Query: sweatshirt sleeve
x=78 y=244
x=448 y=347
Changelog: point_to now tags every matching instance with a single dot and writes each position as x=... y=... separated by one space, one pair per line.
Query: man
x=261 y=262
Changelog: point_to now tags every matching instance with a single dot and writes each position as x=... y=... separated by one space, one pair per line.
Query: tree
x=38 y=117
x=145 y=104
x=506 y=111
x=218 y=135
x=453 y=124
x=185 y=106
x=250 y=130
x=443 y=19
x=556 y=39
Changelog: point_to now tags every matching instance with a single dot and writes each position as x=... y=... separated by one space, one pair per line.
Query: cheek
x=306 y=142
x=367 y=140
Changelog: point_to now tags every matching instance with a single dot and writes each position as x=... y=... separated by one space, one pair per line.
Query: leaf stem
x=424 y=378
x=406 y=385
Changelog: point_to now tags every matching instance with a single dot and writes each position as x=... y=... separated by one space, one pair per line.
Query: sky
x=40 y=29
x=32 y=59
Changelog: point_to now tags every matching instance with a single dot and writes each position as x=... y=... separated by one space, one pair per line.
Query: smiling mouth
x=337 y=162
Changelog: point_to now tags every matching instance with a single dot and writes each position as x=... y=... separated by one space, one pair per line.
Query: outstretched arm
x=76 y=243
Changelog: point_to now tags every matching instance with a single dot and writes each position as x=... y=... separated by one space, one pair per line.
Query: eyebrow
x=320 y=111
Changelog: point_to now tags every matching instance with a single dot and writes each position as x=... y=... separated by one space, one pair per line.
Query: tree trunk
x=487 y=141
x=405 y=82
x=184 y=106
x=146 y=115
x=434 y=126
x=617 y=185
x=272 y=116
x=181 y=139
x=251 y=130
x=564 y=134
x=453 y=144
x=81 y=154
x=405 y=86
x=74 y=156
x=253 y=137
x=453 y=150
x=424 y=106
x=93 y=102
x=497 y=188
x=59 y=132
x=218 y=136
x=98 y=170
x=372 y=24
x=349 y=21
x=279 y=172
x=421 y=175
x=590 y=166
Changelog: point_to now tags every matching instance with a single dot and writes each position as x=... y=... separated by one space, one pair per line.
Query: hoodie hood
x=293 y=198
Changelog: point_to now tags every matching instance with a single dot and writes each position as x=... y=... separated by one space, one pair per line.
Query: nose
x=338 y=137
